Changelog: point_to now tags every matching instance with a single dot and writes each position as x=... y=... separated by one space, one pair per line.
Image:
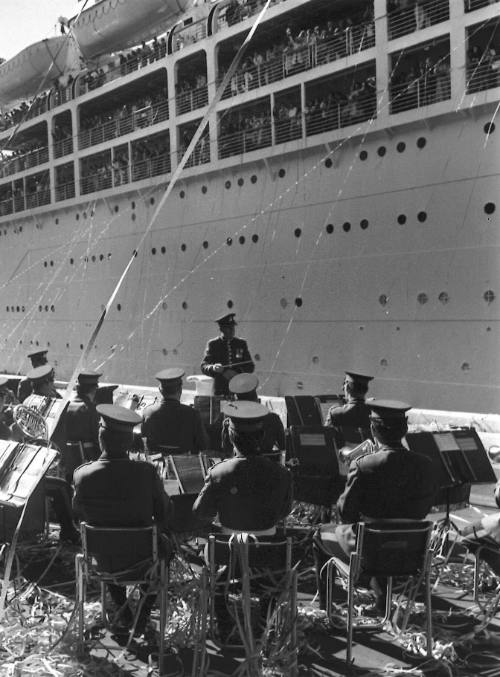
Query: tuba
x=347 y=455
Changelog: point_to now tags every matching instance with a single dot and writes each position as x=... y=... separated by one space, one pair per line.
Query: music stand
x=458 y=457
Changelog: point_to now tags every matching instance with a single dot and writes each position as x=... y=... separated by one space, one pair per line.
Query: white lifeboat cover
x=111 y=25
x=35 y=68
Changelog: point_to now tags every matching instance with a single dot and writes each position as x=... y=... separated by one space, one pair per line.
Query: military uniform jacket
x=82 y=421
x=24 y=389
x=227 y=352
x=348 y=420
x=391 y=483
x=119 y=492
x=170 y=423
x=249 y=493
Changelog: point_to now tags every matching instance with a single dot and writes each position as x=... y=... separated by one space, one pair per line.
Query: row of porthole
x=298 y=302
x=46 y=308
x=15 y=309
x=443 y=297
x=17 y=230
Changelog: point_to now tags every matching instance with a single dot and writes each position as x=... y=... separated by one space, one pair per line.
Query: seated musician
x=390 y=482
x=351 y=421
x=248 y=492
x=485 y=534
x=6 y=401
x=226 y=356
x=114 y=491
x=169 y=423
x=243 y=387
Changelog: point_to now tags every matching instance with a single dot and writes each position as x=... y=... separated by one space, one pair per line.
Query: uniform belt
x=262 y=532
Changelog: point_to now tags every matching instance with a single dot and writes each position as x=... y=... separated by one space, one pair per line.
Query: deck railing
x=245 y=141
x=155 y=166
x=341 y=114
x=304 y=58
x=420 y=92
x=417 y=17
x=471 y=5
x=483 y=76
x=241 y=12
x=191 y=100
x=65 y=191
x=200 y=154
x=63 y=147
x=6 y=207
x=120 y=126
x=21 y=162
x=92 y=183
x=37 y=198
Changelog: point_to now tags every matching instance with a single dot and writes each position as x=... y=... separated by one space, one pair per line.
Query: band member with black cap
x=351 y=421
x=243 y=387
x=226 y=356
x=5 y=409
x=390 y=482
x=82 y=422
x=38 y=359
x=169 y=423
x=249 y=492
x=115 y=491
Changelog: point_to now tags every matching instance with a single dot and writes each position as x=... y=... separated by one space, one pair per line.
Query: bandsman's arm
x=210 y=365
x=248 y=363
x=205 y=506
x=349 y=502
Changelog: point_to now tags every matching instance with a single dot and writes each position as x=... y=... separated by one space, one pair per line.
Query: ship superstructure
x=342 y=199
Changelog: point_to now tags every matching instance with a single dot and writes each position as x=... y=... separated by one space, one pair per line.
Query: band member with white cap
x=243 y=387
x=249 y=492
x=390 y=482
x=169 y=423
x=114 y=491
x=226 y=356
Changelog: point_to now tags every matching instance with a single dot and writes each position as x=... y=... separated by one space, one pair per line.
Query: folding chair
x=208 y=462
x=250 y=567
x=123 y=556
x=385 y=549
x=189 y=473
x=303 y=410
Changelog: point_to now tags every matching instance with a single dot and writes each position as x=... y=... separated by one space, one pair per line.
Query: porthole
x=422 y=216
x=164 y=351
x=20 y=229
x=383 y=299
x=230 y=304
x=101 y=257
x=204 y=189
x=383 y=362
x=444 y=297
x=133 y=217
x=401 y=147
x=489 y=128
x=257 y=357
x=183 y=247
x=151 y=200
x=298 y=302
x=184 y=305
x=283 y=303
x=297 y=232
x=240 y=181
x=117 y=209
x=119 y=306
x=57 y=222
x=315 y=359
x=281 y=173
x=402 y=219
x=465 y=366
x=421 y=142
x=229 y=241
x=163 y=250
x=422 y=298
x=164 y=305
x=363 y=155
x=346 y=227
x=398 y=328
x=153 y=251
x=328 y=162
x=205 y=244
x=489 y=208
x=67 y=345
x=84 y=215
x=77 y=217
x=81 y=346
x=363 y=224
x=52 y=309
x=45 y=264
x=46 y=309
x=227 y=185
x=52 y=264
x=329 y=228
x=489 y=296
x=93 y=258
x=23 y=309
x=182 y=194
x=132 y=204
x=255 y=238
x=381 y=151
x=241 y=239
x=253 y=178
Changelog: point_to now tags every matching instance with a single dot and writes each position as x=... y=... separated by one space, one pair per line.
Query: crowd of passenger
x=483 y=67
x=302 y=49
x=421 y=83
x=30 y=154
x=191 y=93
x=243 y=133
x=340 y=108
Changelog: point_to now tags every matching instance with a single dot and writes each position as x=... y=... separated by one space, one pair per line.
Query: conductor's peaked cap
x=357 y=377
x=226 y=320
x=117 y=418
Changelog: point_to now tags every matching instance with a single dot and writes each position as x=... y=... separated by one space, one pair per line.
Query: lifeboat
x=35 y=68
x=111 y=25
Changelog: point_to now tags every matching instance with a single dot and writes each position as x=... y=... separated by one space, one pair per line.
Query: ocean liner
x=341 y=199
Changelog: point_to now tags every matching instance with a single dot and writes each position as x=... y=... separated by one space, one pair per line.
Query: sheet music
x=446 y=442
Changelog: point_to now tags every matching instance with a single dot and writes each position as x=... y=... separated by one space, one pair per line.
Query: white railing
x=63 y=147
x=471 y=5
x=419 y=92
x=65 y=191
x=245 y=141
x=191 y=100
x=483 y=76
x=417 y=17
x=21 y=162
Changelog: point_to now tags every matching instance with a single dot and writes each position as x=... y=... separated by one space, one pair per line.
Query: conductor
x=226 y=356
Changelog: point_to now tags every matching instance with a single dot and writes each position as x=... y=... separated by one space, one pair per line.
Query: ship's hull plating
x=404 y=287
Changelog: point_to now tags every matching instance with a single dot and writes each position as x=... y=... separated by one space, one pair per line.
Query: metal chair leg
x=350 y=620
x=163 y=612
x=80 y=599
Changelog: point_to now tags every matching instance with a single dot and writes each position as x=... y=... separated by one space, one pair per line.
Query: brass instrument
x=349 y=454
x=30 y=422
